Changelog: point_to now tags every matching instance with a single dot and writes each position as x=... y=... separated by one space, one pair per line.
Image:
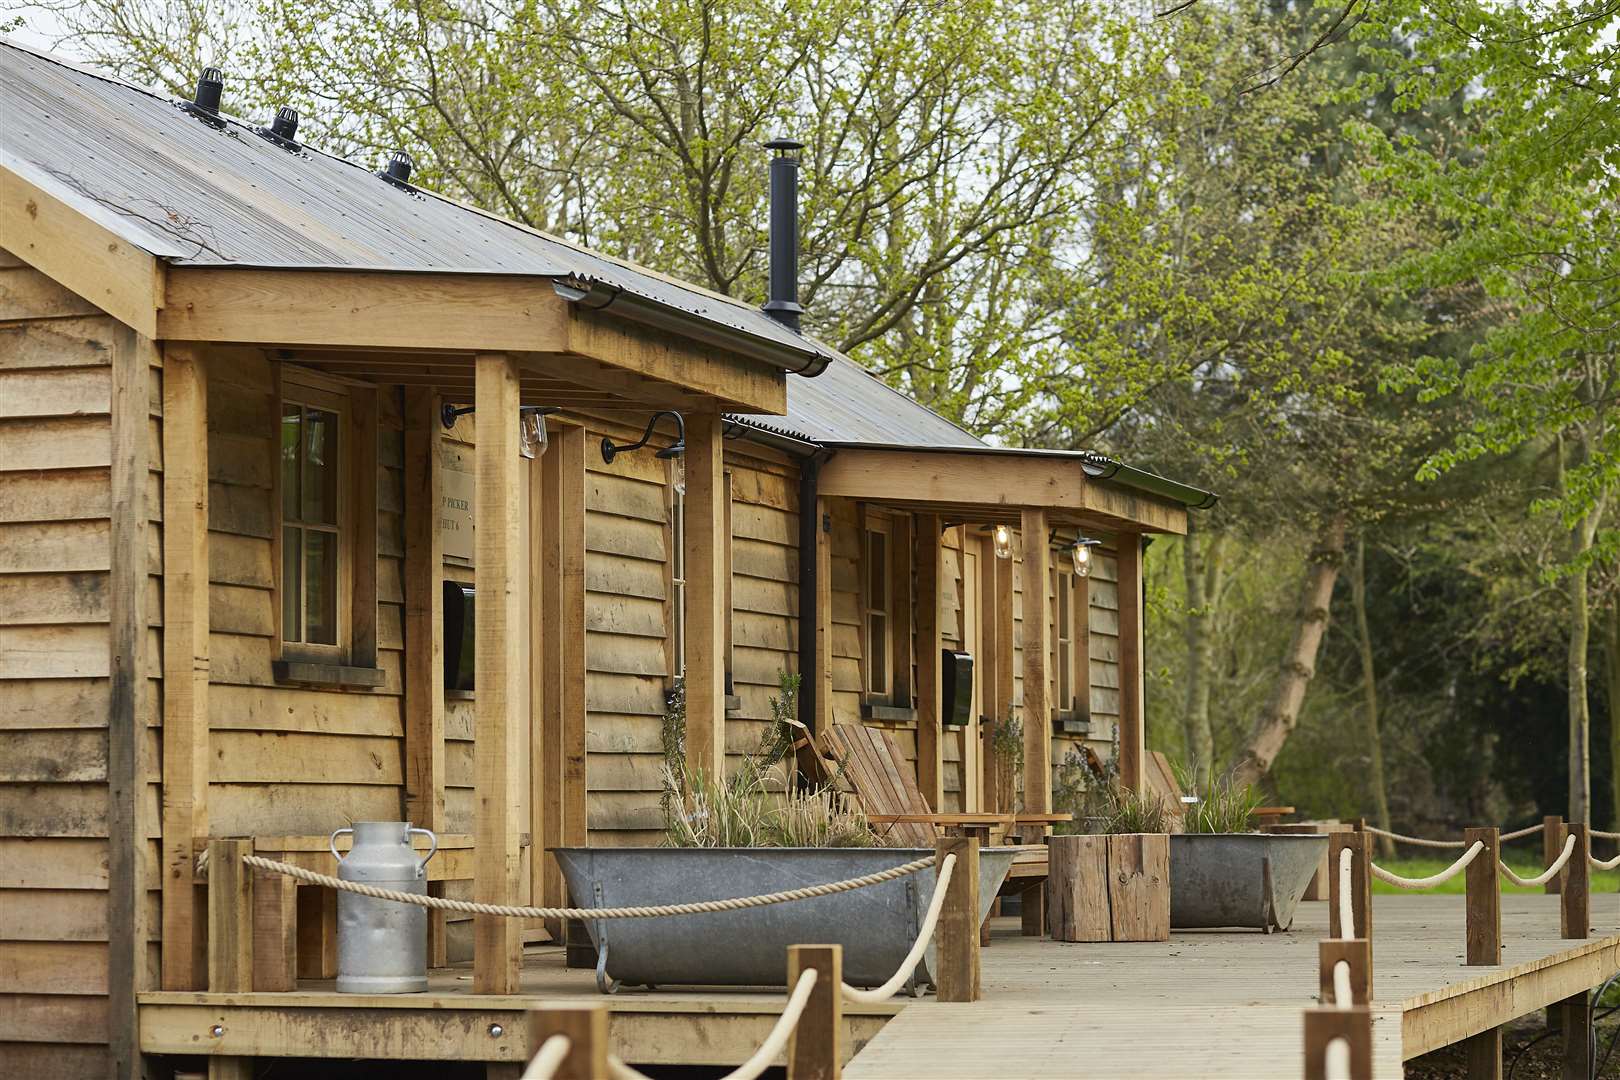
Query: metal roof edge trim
x=86 y=204
x=590 y=294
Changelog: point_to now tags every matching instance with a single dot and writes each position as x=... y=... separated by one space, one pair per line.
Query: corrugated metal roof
x=198 y=196
x=846 y=405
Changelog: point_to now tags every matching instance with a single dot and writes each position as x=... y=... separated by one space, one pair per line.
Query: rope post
x=1575 y=907
x=587 y=1031
x=815 y=1049
x=230 y=917
x=958 y=943
x=1360 y=845
x=1324 y=1027
x=1576 y=1020
x=1357 y=952
x=1484 y=898
x=1552 y=842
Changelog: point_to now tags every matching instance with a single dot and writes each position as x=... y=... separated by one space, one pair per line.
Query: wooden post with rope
x=230 y=938
x=587 y=1031
x=1552 y=842
x=1323 y=1027
x=1575 y=883
x=1360 y=845
x=958 y=943
x=1483 y=902
x=815 y=1049
x=1357 y=952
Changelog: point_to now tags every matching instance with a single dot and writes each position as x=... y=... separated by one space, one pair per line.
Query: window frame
x=881 y=642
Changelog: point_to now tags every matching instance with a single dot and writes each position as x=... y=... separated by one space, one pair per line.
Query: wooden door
x=973 y=643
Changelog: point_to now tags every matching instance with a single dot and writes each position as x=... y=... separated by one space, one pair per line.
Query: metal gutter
x=589 y=294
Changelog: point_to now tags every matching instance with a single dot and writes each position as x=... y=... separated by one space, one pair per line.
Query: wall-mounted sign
x=456 y=487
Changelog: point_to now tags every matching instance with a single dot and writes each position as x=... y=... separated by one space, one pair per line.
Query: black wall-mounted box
x=956 y=688
x=459 y=632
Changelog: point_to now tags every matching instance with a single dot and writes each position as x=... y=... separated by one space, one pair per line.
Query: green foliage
x=754 y=806
x=1099 y=803
x=1007 y=742
x=1223 y=805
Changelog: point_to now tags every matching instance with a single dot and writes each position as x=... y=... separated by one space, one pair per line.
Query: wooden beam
x=1353 y=951
x=899 y=572
x=1006 y=664
x=733 y=380
x=992 y=480
x=562 y=542
x=185 y=662
x=499 y=675
x=81 y=254
x=1575 y=885
x=1360 y=845
x=1132 y=671
x=586 y=1029
x=1037 y=649
x=230 y=917
x=424 y=633
x=363 y=526
x=705 y=594
x=994 y=655
x=826 y=715
x=1484 y=1055
x=957 y=954
x=1552 y=845
x=1323 y=1026
x=930 y=733
x=1575 y=1018
x=129 y=696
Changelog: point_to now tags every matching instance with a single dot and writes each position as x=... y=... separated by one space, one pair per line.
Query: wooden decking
x=1212 y=1004
x=1201 y=1004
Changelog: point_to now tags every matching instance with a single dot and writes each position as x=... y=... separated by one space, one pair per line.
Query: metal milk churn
x=382 y=945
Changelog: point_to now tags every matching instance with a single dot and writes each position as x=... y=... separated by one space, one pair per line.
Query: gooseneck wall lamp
x=531 y=424
x=610 y=449
x=1082 y=555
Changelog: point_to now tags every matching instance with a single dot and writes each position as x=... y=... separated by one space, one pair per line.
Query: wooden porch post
x=424 y=632
x=500 y=666
x=562 y=669
x=1037 y=650
x=705 y=593
x=930 y=741
x=1006 y=672
x=826 y=716
x=1132 y=727
x=185 y=663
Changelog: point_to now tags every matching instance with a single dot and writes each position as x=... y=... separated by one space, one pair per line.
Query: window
x=312 y=527
x=1065 y=640
x=876 y=603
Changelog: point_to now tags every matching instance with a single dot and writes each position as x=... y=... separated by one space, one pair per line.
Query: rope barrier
x=1433 y=879
x=548 y=1059
x=1343 y=996
x=883 y=993
x=472 y=907
x=1336 y=1059
x=1602 y=865
x=1547 y=874
x=1603 y=835
x=769 y=1050
x=1419 y=841
x=1347 y=907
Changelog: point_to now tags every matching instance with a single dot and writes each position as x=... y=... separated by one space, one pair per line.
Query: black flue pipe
x=783 y=304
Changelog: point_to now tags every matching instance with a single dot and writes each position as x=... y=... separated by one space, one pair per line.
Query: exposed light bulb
x=1002 y=538
x=1082 y=557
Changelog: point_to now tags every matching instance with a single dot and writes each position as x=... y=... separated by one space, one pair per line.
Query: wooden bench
x=295 y=929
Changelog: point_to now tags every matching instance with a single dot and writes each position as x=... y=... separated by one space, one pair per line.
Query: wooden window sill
x=1066 y=722
x=733 y=704
x=888 y=714
x=452 y=694
x=313 y=673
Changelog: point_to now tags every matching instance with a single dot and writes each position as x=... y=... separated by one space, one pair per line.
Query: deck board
x=1216 y=1004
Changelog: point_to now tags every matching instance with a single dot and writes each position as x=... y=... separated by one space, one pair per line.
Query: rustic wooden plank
x=957 y=933
x=1077 y=889
x=230 y=917
x=499 y=672
x=185 y=660
x=1037 y=648
x=1484 y=896
x=563 y=747
x=930 y=733
x=1575 y=885
x=363 y=625
x=586 y=1029
x=1139 y=886
x=815 y=1048
x=275 y=932
x=1132 y=699
x=707 y=645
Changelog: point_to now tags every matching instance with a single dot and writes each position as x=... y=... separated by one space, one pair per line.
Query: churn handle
x=332 y=843
x=432 y=851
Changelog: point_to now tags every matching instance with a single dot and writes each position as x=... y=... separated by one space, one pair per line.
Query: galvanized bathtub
x=876 y=925
x=1240 y=879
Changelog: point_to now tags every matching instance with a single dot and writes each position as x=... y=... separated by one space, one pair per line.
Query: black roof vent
x=205 y=104
x=783 y=303
x=398 y=170
x=283 y=130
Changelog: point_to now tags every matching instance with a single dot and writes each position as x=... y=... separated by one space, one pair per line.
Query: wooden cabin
x=265 y=418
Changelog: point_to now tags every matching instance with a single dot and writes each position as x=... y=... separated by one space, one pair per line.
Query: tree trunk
x=1369 y=693
x=1201 y=571
x=1611 y=669
x=1276 y=723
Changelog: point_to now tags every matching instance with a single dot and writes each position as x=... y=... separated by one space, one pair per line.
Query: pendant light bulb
x=1002 y=538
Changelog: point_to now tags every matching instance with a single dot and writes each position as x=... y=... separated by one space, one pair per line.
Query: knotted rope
x=1433 y=879
x=1547 y=874
x=768 y=1051
x=879 y=994
x=1419 y=841
x=1347 y=908
x=473 y=907
x=549 y=1058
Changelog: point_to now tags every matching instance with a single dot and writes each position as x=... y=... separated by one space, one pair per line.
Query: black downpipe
x=809 y=587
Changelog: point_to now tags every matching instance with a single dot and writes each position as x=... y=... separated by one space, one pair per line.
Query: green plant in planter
x=759 y=804
x=1101 y=804
x=1223 y=805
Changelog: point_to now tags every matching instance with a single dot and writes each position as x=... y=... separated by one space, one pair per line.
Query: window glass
x=310 y=536
x=877 y=612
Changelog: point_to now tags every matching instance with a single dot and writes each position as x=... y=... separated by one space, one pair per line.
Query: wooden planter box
x=1108 y=888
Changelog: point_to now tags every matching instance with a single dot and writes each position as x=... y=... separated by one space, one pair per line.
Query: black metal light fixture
x=532 y=439
x=610 y=449
x=1081 y=553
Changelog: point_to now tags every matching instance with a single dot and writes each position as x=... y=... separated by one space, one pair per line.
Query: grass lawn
x=1524 y=864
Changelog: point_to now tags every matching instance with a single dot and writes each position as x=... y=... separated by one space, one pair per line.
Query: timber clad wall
x=56 y=611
